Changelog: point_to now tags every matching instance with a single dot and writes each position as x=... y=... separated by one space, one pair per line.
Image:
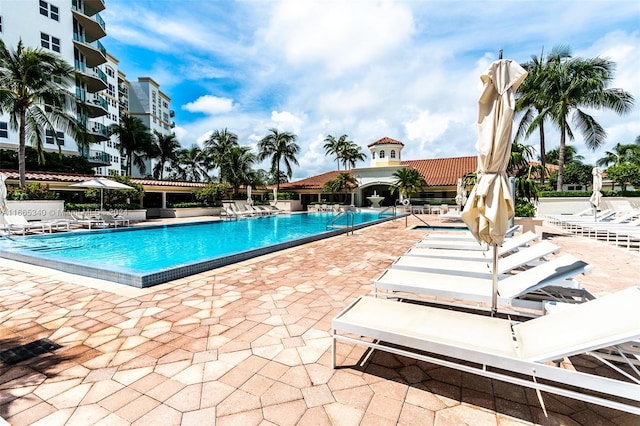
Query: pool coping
x=144 y=280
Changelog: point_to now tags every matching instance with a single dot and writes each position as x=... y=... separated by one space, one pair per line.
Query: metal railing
x=349 y=218
x=385 y=212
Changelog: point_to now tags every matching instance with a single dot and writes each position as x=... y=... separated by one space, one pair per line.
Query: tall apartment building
x=74 y=29
x=148 y=103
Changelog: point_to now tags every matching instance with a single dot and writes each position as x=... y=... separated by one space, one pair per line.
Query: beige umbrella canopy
x=3 y=194
x=490 y=204
x=596 y=195
x=102 y=184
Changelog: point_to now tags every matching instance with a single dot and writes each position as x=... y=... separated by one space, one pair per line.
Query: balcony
x=172 y=113
x=95 y=54
x=91 y=7
x=94 y=26
x=98 y=130
x=173 y=124
x=95 y=78
x=94 y=105
x=96 y=158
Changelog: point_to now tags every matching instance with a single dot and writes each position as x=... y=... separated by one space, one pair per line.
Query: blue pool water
x=144 y=256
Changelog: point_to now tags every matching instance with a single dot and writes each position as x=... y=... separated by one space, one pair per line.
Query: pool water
x=144 y=256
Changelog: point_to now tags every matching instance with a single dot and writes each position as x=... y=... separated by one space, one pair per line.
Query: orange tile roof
x=444 y=171
x=386 y=141
x=312 y=182
x=44 y=176
x=437 y=172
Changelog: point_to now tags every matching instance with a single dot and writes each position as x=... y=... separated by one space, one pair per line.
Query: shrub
x=31 y=191
x=211 y=194
x=524 y=208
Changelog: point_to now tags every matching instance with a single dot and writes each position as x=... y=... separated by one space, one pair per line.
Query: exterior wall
x=151 y=106
x=386 y=151
x=23 y=20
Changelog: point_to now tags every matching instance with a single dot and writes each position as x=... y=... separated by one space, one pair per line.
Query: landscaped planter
x=289 y=205
x=190 y=212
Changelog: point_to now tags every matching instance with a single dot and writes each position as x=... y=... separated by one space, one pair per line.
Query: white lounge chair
x=528 y=290
x=20 y=224
x=90 y=222
x=526 y=256
x=110 y=219
x=507 y=247
x=526 y=354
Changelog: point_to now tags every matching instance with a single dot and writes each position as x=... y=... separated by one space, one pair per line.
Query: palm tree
x=217 y=147
x=240 y=160
x=335 y=146
x=134 y=142
x=570 y=155
x=193 y=164
x=343 y=183
x=407 y=181
x=34 y=91
x=531 y=100
x=579 y=83
x=280 y=146
x=351 y=154
x=621 y=154
x=166 y=149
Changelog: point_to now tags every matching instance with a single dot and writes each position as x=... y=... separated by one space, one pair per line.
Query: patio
x=250 y=344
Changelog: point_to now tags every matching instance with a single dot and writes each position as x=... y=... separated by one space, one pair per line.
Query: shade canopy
x=490 y=204
x=102 y=184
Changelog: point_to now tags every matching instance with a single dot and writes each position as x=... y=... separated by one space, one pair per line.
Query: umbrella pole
x=101 y=198
x=494 y=276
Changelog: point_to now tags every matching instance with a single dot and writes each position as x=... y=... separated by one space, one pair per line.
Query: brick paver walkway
x=249 y=344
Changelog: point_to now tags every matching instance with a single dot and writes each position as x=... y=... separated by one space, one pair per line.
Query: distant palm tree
x=335 y=146
x=281 y=147
x=217 y=147
x=134 y=142
x=407 y=181
x=351 y=154
x=570 y=154
x=166 y=149
x=575 y=84
x=34 y=91
x=193 y=165
x=240 y=160
x=341 y=184
x=621 y=154
x=531 y=100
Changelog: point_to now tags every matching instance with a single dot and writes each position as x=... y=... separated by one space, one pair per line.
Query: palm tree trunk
x=22 y=149
x=561 y=155
x=543 y=155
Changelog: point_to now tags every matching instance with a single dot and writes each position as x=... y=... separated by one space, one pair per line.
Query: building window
x=393 y=153
x=382 y=154
x=373 y=155
x=49 y=10
x=110 y=72
x=0 y=24
x=4 y=129
x=59 y=137
x=165 y=105
x=50 y=42
x=111 y=90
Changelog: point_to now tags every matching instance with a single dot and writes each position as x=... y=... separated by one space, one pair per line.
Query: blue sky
x=408 y=70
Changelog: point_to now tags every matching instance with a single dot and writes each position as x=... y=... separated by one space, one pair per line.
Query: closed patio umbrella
x=461 y=194
x=249 y=200
x=3 y=194
x=490 y=204
x=102 y=184
x=596 y=195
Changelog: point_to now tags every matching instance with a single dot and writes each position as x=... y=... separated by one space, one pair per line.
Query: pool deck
x=249 y=344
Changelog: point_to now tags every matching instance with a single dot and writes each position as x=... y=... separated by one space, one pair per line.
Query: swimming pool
x=149 y=255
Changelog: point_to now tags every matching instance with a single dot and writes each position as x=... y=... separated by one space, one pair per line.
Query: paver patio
x=249 y=344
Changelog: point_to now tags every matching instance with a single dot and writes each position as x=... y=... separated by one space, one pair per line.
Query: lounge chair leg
x=333 y=349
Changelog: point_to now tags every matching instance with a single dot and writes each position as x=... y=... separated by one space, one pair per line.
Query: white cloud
x=286 y=121
x=211 y=105
x=337 y=35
